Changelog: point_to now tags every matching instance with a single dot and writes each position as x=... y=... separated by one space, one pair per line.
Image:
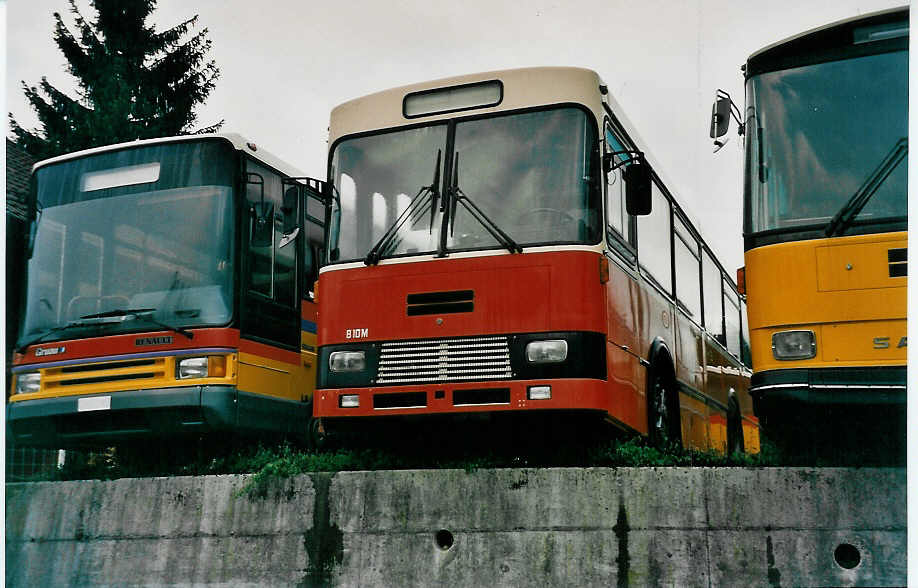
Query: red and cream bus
x=167 y=295
x=503 y=243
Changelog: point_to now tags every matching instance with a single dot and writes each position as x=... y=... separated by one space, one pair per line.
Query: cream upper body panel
x=522 y=88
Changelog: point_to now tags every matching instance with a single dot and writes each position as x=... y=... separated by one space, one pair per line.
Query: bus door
x=311 y=194
x=270 y=367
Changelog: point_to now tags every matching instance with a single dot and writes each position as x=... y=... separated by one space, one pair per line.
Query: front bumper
x=134 y=415
x=467 y=397
x=828 y=387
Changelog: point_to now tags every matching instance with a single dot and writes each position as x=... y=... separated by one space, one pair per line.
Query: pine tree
x=134 y=82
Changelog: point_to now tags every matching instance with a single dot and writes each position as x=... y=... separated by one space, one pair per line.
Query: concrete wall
x=547 y=527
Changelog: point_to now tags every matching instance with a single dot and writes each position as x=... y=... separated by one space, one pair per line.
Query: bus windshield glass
x=818 y=135
x=146 y=230
x=532 y=174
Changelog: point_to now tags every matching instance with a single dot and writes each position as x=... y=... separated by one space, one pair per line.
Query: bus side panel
x=270 y=371
x=269 y=389
x=627 y=377
x=698 y=415
x=723 y=373
x=308 y=347
x=655 y=322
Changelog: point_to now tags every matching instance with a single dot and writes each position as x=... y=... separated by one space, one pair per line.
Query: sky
x=286 y=63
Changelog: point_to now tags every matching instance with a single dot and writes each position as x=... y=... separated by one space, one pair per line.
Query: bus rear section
x=167 y=296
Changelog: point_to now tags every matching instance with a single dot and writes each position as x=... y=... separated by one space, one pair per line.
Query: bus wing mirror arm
x=637 y=181
x=721 y=112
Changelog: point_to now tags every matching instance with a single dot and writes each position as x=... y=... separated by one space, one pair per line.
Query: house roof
x=18 y=169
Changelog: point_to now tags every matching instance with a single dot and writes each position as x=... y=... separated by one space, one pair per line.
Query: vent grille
x=400 y=400
x=486 y=396
x=96 y=367
x=440 y=302
x=76 y=376
x=444 y=360
x=898 y=262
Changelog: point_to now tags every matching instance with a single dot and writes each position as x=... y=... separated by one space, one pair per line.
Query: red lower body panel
x=466 y=397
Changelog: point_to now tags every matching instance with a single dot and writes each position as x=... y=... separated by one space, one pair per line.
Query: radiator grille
x=444 y=360
x=93 y=374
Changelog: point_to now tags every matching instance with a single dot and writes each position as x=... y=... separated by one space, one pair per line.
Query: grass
x=268 y=463
x=468 y=449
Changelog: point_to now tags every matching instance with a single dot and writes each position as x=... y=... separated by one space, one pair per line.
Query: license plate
x=94 y=403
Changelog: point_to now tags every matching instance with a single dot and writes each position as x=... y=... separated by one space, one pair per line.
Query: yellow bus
x=825 y=211
x=167 y=295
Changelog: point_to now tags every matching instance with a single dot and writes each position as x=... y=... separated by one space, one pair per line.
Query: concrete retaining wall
x=549 y=527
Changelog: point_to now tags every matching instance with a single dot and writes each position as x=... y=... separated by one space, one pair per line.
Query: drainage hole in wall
x=444 y=539
x=847 y=556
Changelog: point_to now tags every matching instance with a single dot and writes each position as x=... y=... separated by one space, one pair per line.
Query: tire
x=663 y=421
x=316 y=436
x=735 y=441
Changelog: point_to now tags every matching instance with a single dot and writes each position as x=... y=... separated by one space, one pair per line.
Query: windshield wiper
x=431 y=194
x=137 y=314
x=456 y=196
x=844 y=217
x=51 y=331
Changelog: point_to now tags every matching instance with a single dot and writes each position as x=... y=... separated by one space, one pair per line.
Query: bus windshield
x=145 y=229
x=819 y=134
x=532 y=174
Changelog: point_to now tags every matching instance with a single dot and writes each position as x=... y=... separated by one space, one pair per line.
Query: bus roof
x=521 y=88
x=824 y=33
x=238 y=142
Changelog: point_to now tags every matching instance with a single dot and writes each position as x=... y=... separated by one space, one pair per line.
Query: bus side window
x=654 y=251
x=614 y=191
x=732 y=318
x=713 y=299
x=617 y=218
x=688 y=284
x=314 y=233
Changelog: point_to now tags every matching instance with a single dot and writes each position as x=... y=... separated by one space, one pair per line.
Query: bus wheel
x=735 y=442
x=664 y=426
x=316 y=437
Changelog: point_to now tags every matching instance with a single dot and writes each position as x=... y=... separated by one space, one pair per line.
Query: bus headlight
x=788 y=345
x=550 y=351
x=28 y=382
x=349 y=401
x=347 y=361
x=191 y=367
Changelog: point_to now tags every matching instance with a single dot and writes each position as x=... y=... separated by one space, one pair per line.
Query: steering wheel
x=563 y=216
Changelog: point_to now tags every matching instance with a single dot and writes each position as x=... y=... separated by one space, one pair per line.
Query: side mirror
x=288 y=238
x=291 y=197
x=720 y=116
x=637 y=188
x=262 y=234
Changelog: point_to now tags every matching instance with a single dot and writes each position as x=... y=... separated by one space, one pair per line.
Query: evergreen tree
x=134 y=82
